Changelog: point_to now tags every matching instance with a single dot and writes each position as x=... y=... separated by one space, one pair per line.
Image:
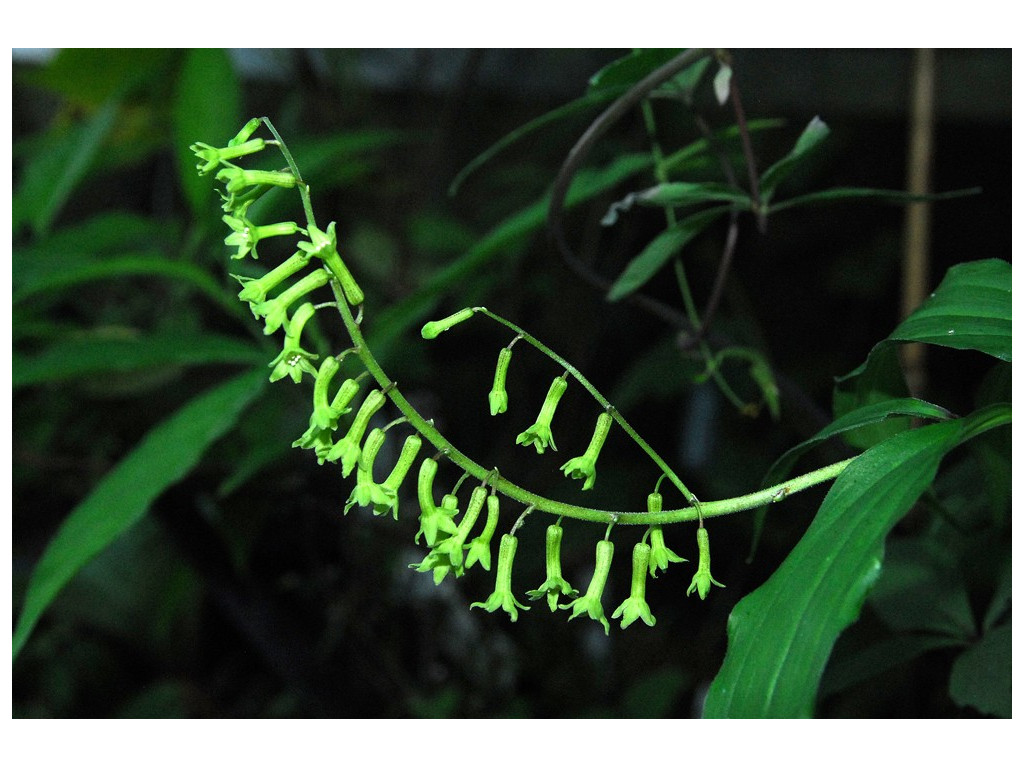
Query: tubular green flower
x=539 y=435
x=498 y=397
x=453 y=545
x=635 y=606
x=255 y=290
x=236 y=179
x=211 y=157
x=702 y=580
x=591 y=601
x=502 y=596
x=432 y=518
x=246 y=234
x=347 y=449
x=436 y=327
x=661 y=555
x=276 y=310
x=320 y=439
x=367 y=492
x=323 y=415
x=324 y=245
x=390 y=486
x=479 y=549
x=554 y=586
x=584 y=467
x=294 y=360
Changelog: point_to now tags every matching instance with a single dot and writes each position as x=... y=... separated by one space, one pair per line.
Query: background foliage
x=243 y=592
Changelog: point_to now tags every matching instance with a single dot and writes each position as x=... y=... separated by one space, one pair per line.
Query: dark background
x=261 y=599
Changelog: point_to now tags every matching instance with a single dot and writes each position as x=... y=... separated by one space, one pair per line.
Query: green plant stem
x=307 y=204
x=517 y=493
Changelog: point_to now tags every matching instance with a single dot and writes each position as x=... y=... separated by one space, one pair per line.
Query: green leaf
x=877 y=659
x=815 y=133
x=678 y=194
x=981 y=675
x=660 y=250
x=781 y=635
x=55 y=170
x=207 y=106
x=73 y=358
x=91 y=76
x=625 y=72
x=836 y=194
x=167 y=453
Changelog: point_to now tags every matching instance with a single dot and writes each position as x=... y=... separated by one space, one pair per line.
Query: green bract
x=539 y=435
x=502 y=596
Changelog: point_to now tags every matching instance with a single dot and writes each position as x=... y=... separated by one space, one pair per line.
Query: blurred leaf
x=207 y=107
x=73 y=358
x=922 y=589
x=55 y=170
x=91 y=76
x=815 y=133
x=660 y=250
x=836 y=194
x=167 y=453
x=635 y=66
x=781 y=635
x=724 y=138
x=879 y=658
x=589 y=183
x=981 y=676
x=677 y=194
x=658 y=374
x=653 y=695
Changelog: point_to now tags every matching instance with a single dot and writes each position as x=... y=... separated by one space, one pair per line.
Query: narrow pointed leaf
x=813 y=135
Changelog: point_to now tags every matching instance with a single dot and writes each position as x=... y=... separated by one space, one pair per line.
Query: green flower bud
x=502 y=596
x=436 y=327
x=584 y=467
x=539 y=435
x=702 y=580
x=554 y=585
x=255 y=290
x=236 y=179
x=635 y=606
x=498 y=397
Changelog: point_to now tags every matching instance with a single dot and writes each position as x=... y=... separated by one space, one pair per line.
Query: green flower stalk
x=410 y=448
x=661 y=555
x=635 y=606
x=479 y=549
x=347 y=449
x=436 y=327
x=591 y=601
x=539 y=435
x=324 y=246
x=498 y=397
x=702 y=580
x=275 y=311
x=585 y=467
x=432 y=519
x=555 y=586
x=255 y=290
x=294 y=360
x=452 y=546
x=236 y=179
x=367 y=492
x=211 y=157
x=502 y=596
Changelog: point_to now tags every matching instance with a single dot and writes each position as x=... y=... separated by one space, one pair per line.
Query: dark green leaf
x=781 y=635
x=73 y=358
x=981 y=676
x=837 y=194
x=660 y=250
x=167 y=453
x=678 y=194
x=877 y=659
x=815 y=133
x=207 y=107
x=91 y=76
x=625 y=72
x=53 y=172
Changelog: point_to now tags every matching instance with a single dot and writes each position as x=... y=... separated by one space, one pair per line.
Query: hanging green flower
x=502 y=596
x=590 y=603
x=702 y=580
x=539 y=435
x=479 y=549
x=635 y=606
x=585 y=467
x=554 y=586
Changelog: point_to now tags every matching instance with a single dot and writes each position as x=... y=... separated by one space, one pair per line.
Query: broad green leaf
x=981 y=675
x=73 y=358
x=836 y=194
x=660 y=250
x=207 y=107
x=91 y=76
x=589 y=183
x=781 y=635
x=166 y=454
x=815 y=133
x=54 y=171
x=78 y=271
x=856 y=419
